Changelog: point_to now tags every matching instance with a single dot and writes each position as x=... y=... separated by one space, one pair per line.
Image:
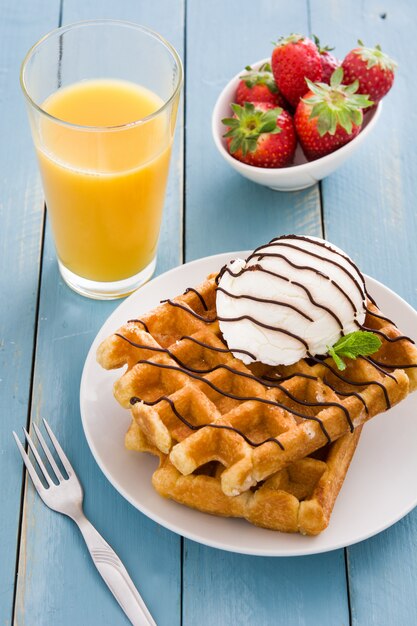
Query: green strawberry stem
x=249 y=123
x=321 y=48
x=336 y=105
x=262 y=76
x=375 y=56
x=293 y=38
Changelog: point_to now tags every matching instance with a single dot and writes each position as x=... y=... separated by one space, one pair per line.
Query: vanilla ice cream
x=289 y=299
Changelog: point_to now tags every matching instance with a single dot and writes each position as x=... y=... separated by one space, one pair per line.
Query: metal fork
x=67 y=497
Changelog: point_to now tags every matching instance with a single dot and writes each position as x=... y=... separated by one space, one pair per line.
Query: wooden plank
x=369 y=211
x=226 y=212
x=21 y=216
x=223 y=589
x=57 y=581
x=56 y=575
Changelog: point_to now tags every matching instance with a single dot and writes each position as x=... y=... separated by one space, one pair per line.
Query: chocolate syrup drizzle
x=141 y=322
x=378 y=315
x=351 y=382
x=310 y=269
x=379 y=332
x=275 y=384
x=218 y=318
x=392 y=366
x=332 y=387
x=280 y=241
x=268 y=381
x=259 y=268
x=216 y=348
x=233 y=397
x=198 y=294
x=323 y=245
x=134 y=400
x=266 y=301
x=378 y=367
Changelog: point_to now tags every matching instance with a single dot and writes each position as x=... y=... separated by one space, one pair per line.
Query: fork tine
x=62 y=456
x=48 y=453
x=38 y=458
x=30 y=468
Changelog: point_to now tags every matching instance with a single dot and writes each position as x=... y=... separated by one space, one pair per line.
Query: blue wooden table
x=367 y=208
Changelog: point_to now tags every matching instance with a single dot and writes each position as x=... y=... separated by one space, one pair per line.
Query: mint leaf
x=358 y=343
x=341 y=365
x=352 y=345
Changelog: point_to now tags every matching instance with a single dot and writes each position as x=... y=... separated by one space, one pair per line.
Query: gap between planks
x=32 y=371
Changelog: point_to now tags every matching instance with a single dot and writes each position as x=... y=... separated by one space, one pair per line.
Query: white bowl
x=302 y=173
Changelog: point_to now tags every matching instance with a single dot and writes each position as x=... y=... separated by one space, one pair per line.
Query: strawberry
x=329 y=63
x=372 y=68
x=259 y=86
x=294 y=59
x=261 y=135
x=329 y=116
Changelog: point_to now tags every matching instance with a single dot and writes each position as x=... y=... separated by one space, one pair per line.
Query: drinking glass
x=104 y=182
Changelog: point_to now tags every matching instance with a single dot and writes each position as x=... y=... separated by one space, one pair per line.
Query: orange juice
x=104 y=180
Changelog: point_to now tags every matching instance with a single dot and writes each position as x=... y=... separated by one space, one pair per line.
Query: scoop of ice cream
x=289 y=299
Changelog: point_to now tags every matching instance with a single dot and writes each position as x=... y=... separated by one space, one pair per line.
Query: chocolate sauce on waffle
x=216 y=348
x=135 y=400
x=268 y=384
x=268 y=381
x=218 y=318
x=232 y=396
x=392 y=366
x=378 y=367
x=354 y=383
x=389 y=339
x=378 y=315
x=137 y=321
x=198 y=294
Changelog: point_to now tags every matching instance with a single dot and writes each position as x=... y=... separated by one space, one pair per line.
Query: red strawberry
x=259 y=86
x=329 y=63
x=372 y=68
x=329 y=116
x=294 y=59
x=261 y=135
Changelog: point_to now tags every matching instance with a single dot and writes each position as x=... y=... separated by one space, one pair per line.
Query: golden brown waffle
x=299 y=498
x=194 y=401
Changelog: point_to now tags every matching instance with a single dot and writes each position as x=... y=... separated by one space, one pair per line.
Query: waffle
x=194 y=401
x=299 y=498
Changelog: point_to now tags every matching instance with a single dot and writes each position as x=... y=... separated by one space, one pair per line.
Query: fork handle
x=115 y=575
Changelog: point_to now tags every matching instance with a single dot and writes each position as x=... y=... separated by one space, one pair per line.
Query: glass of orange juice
x=102 y=99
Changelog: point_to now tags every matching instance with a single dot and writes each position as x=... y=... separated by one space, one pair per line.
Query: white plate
x=379 y=489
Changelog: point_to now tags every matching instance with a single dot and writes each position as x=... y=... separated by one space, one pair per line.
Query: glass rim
x=84 y=23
